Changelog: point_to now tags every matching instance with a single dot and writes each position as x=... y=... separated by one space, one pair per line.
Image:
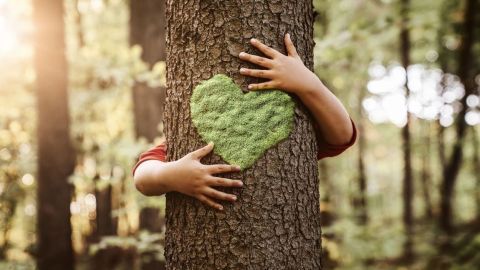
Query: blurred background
x=405 y=196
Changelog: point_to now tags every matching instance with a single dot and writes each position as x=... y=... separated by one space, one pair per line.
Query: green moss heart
x=242 y=126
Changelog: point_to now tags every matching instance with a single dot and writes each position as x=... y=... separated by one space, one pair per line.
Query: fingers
x=222 y=168
x=270 y=52
x=224 y=182
x=262 y=86
x=200 y=153
x=219 y=195
x=290 y=47
x=259 y=73
x=255 y=59
x=204 y=199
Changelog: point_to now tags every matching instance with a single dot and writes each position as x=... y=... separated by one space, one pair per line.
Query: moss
x=242 y=126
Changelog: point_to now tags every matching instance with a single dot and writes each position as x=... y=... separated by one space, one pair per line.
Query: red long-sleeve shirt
x=325 y=149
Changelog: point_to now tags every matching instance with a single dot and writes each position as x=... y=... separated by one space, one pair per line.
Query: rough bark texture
x=452 y=167
x=275 y=222
x=147 y=29
x=55 y=151
x=407 y=156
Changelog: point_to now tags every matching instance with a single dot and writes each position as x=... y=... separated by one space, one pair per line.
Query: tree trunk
x=452 y=167
x=55 y=152
x=476 y=167
x=407 y=156
x=362 y=175
x=327 y=215
x=147 y=29
x=426 y=173
x=275 y=223
x=107 y=258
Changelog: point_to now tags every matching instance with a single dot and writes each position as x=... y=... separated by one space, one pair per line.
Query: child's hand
x=286 y=72
x=195 y=179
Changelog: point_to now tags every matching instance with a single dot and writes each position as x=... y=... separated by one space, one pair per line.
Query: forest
x=87 y=86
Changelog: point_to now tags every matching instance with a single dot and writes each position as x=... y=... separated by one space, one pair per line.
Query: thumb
x=201 y=152
x=291 y=50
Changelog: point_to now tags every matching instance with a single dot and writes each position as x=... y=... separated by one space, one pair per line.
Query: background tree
x=147 y=30
x=279 y=229
x=55 y=151
x=452 y=167
x=407 y=149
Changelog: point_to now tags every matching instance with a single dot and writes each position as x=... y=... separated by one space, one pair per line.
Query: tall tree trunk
x=452 y=167
x=426 y=172
x=476 y=167
x=407 y=156
x=147 y=29
x=105 y=225
x=362 y=176
x=55 y=152
x=275 y=223
x=327 y=216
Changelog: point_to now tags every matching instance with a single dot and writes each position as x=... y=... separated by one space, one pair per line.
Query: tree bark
x=407 y=156
x=147 y=29
x=452 y=167
x=55 y=152
x=275 y=222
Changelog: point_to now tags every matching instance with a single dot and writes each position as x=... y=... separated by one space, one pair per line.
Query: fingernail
x=211 y=143
x=242 y=70
x=220 y=207
x=241 y=54
x=240 y=184
x=249 y=86
x=234 y=197
x=253 y=40
x=237 y=167
x=288 y=35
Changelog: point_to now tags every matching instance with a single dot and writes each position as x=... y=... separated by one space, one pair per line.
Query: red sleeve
x=158 y=152
x=326 y=149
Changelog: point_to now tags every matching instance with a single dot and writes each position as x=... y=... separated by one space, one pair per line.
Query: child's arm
x=288 y=73
x=188 y=176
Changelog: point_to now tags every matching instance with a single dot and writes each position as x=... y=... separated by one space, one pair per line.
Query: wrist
x=314 y=87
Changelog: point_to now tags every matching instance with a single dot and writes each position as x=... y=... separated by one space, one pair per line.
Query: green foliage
x=242 y=126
